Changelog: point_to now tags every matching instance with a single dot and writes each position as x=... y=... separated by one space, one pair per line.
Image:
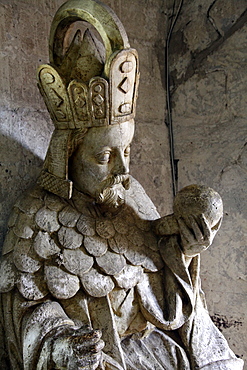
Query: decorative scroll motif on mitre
x=100 y=103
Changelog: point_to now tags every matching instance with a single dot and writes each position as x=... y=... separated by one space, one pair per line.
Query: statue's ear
x=55 y=96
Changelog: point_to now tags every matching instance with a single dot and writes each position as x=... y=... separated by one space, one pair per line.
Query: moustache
x=115 y=180
x=111 y=195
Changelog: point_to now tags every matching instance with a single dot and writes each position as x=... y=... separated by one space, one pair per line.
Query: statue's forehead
x=119 y=135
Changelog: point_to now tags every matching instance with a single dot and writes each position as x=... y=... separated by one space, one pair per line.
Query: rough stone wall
x=207 y=59
x=208 y=79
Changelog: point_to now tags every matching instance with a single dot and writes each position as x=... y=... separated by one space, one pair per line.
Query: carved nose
x=121 y=165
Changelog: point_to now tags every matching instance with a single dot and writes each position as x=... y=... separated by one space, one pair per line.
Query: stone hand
x=77 y=349
x=196 y=234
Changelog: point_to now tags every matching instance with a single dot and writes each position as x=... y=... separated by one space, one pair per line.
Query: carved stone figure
x=91 y=276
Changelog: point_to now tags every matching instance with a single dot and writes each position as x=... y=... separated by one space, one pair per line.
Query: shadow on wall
x=19 y=168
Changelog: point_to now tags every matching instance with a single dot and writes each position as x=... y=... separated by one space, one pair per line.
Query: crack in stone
x=198 y=58
x=211 y=20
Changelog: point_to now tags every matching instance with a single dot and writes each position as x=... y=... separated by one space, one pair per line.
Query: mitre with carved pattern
x=91 y=81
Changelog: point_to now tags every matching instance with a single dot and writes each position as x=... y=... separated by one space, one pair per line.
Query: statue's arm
x=193 y=235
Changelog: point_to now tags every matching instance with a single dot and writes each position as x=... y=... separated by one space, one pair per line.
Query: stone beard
x=113 y=191
x=91 y=276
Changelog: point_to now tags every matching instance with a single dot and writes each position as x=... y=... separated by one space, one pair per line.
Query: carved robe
x=65 y=263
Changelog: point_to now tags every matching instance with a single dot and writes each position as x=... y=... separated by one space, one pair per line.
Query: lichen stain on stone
x=222 y=322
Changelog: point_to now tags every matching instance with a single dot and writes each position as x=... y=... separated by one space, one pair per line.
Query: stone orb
x=194 y=200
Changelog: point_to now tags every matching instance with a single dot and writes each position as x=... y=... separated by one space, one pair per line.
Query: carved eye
x=103 y=157
x=127 y=151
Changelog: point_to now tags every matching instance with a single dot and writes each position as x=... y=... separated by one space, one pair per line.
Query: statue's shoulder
x=28 y=242
x=137 y=198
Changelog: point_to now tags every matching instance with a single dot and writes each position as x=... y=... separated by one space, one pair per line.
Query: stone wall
x=207 y=58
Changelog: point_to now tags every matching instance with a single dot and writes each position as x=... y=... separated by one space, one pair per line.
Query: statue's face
x=103 y=155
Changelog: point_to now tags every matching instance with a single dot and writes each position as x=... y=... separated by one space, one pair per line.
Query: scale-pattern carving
x=73 y=249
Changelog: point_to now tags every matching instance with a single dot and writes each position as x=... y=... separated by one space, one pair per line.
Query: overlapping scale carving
x=135 y=254
x=9 y=242
x=30 y=205
x=61 y=284
x=24 y=226
x=86 y=225
x=8 y=274
x=69 y=238
x=44 y=246
x=95 y=245
x=96 y=284
x=54 y=203
x=32 y=286
x=119 y=243
x=151 y=242
x=68 y=216
x=153 y=261
x=46 y=220
x=142 y=224
x=111 y=263
x=51 y=247
x=135 y=236
x=105 y=229
x=13 y=217
x=121 y=223
x=24 y=258
x=77 y=261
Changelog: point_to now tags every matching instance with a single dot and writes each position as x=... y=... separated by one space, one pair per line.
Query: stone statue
x=91 y=276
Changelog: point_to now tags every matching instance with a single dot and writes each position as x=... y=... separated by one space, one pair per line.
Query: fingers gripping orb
x=197 y=200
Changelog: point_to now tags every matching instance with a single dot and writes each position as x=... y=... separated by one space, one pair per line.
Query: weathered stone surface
x=24 y=258
x=95 y=245
x=210 y=144
x=77 y=261
x=30 y=205
x=111 y=263
x=32 y=287
x=105 y=229
x=153 y=261
x=135 y=237
x=55 y=204
x=127 y=312
x=86 y=225
x=119 y=243
x=151 y=241
x=13 y=217
x=8 y=274
x=120 y=223
x=96 y=284
x=9 y=242
x=44 y=246
x=47 y=220
x=129 y=277
x=117 y=296
x=144 y=225
x=68 y=216
x=69 y=238
x=135 y=255
x=61 y=284
x=26 y=128
x=24 y=226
